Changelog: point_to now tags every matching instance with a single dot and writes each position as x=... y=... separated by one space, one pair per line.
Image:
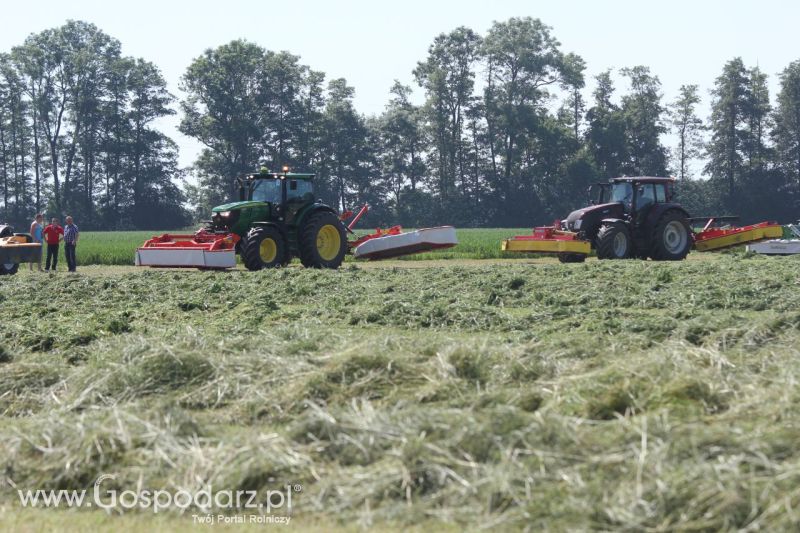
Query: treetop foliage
x=505 y=135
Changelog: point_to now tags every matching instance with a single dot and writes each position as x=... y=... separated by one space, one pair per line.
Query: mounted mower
x=788 y=245
x=277 y=218
x=634 y=217
x=16 y=248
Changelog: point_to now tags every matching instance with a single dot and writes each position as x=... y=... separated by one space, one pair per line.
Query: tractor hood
x=591 y=215
x=233 y=206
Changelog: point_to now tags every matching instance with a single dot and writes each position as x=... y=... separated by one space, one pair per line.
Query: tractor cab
x=280 y=197
x=635 y=195
x=276 y=188
x=638 y=195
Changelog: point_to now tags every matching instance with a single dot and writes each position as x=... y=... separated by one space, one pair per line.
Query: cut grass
x=606 y=395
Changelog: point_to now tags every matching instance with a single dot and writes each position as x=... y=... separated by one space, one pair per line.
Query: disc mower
x=635 y=217
x=16 y=248
x=276 y=218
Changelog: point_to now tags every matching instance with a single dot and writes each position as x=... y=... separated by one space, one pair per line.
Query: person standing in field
x=37 y=232
x=71 y=234
x=52 y=235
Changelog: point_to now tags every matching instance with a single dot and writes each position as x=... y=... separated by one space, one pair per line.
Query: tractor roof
x=279 y=175
x=642 y=179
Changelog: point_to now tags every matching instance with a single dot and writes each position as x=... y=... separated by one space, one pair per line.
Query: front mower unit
x=548 y=239
x=202 y=250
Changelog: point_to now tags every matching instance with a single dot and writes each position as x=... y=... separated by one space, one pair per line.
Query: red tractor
x=628 y=217
x=635 y=217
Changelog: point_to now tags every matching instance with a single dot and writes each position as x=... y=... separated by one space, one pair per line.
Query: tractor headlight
x=225 y=214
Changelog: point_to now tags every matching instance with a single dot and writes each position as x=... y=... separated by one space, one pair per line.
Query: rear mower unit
x=785 y=246
x=277 y=218
x=712 y=238
x=634 y=217
x=16 y=248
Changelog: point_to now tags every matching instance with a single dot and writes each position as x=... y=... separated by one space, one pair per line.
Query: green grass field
x=458 y=394
x=119 y=247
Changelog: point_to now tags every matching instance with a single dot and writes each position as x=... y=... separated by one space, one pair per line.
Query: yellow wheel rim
x=328 y=242
x=268 y=250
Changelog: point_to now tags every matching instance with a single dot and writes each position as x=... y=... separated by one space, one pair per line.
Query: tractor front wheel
x=614 y=241
x=9 y=269
x=671 y=240
x=264 y=247
x=323 y=242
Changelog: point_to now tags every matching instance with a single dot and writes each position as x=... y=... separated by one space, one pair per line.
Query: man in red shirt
x=52 y=235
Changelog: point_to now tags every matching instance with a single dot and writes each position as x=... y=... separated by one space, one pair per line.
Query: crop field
x=451 y=394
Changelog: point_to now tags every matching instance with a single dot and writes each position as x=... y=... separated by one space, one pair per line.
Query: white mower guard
x=183 y=258
x=421 y=240
x=779 y=246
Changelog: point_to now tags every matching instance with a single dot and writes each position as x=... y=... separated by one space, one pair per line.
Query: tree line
x=506 y=134
x=77 y=133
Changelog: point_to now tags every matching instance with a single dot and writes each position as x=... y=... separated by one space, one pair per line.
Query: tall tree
x=401 y=144
x=728 y=127
x=524 y=60
x=606 y=138
x=758 y=118
x=688 y=127
x=346 y=156
x=644 y=125
x=223 y=110
x=448 y=77
x=786 y=133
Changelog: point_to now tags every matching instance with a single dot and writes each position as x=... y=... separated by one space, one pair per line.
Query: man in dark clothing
x=70 y=242
x=52 y=236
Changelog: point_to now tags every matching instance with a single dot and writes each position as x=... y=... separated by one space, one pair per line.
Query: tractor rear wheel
x=323 y=241
x=671 y=239
x=614 y=241
x=264 y=247
x=571 y=258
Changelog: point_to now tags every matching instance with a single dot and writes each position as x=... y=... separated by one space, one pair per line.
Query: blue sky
x=371 y=43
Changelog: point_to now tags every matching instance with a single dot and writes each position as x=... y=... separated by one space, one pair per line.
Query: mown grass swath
x=605 y=395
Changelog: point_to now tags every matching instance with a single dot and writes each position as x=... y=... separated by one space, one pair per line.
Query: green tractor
x=278 y=217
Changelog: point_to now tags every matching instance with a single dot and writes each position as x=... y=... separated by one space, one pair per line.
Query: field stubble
x=630 y=394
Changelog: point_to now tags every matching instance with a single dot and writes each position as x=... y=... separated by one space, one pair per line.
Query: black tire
x=571 y=258
x=6 y=270
x=614 y=241
x=264 y=247
x=323 y=242
x=672 y=237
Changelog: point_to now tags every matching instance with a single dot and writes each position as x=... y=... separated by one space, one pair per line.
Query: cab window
x=267 y=190
x=645 y=196
x=621 y=192
x=661 y=193
x=300 y=189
